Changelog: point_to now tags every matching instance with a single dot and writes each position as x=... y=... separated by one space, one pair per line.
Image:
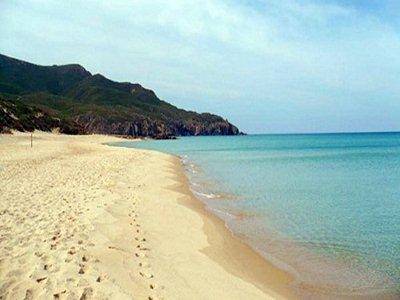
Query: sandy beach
x=83 y=220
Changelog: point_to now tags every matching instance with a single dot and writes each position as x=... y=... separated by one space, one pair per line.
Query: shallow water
x=324 y=207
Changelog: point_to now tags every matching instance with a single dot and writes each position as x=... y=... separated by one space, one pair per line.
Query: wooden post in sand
x=31 y=139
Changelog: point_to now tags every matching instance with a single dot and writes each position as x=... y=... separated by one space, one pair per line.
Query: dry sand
x=82 y=220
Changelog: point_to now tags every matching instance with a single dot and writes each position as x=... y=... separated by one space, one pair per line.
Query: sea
x=323 y=207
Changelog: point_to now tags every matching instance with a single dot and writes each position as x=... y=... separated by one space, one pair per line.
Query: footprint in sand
x=72 y=251
x=140 y=254
x=146 y=275
x=142 y=248
x=85 y=258
x=83 y=268
x=101 y=277
x=28 y=294
x=144 y=264
x=87 y=293
x=58 y=295
x=41 y=279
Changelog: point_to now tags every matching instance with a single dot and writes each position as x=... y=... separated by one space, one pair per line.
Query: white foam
x=208 y=196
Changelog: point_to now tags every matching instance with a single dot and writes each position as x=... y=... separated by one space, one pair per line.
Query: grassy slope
x=67 y=92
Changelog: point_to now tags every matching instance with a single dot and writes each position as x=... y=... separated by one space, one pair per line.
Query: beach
x=81 y=219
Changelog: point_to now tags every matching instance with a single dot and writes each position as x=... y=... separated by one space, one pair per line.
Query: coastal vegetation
x=70 y=98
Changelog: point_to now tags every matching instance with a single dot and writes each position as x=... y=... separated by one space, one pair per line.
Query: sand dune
x=82 y=220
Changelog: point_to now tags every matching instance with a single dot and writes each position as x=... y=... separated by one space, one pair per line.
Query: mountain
x=70 y=98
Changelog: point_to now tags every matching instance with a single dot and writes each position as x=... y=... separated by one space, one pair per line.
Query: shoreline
x=275 y=281
x=235 y=255
x=287 y=286
x=83 y=219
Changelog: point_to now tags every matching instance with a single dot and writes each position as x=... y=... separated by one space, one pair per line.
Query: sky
x=268 y=66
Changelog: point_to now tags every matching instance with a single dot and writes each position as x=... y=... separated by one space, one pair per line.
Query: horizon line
x=322 y=133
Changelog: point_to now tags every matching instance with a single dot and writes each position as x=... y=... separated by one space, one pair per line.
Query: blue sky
x=266 y=65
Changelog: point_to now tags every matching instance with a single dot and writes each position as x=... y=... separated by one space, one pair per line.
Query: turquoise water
x=324 y=207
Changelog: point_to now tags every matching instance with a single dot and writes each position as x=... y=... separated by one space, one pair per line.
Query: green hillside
x=86 y=103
